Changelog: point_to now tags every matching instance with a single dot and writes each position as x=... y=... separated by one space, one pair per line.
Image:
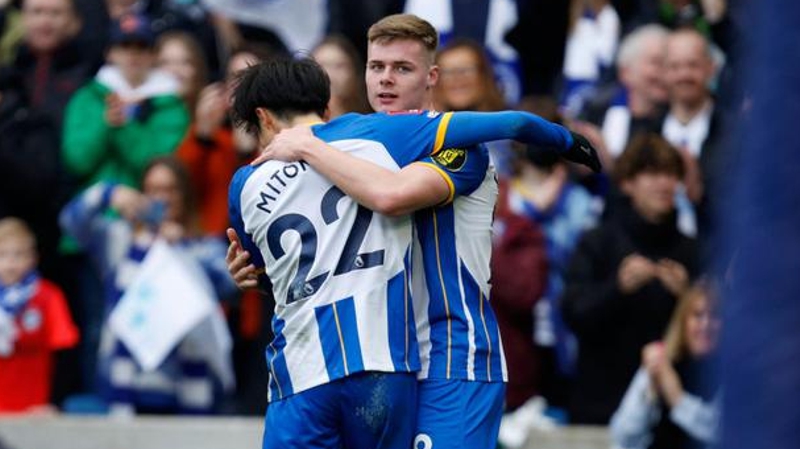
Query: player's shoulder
x=241 y=175
x=344 y=124
x=245 y=171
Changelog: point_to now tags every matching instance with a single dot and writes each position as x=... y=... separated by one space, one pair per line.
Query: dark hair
x=185 y=185
x=263 y=51
x=285 y=87
x=648 y=153
x=356 y=95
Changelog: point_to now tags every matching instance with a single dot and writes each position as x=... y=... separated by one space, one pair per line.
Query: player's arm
x=390 y=193
x=241 y=249
x=469 y=128
x=421 y=185
x=460 y=129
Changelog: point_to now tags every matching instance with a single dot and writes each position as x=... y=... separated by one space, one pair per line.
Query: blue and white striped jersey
x=457 y=330
x=340 y=273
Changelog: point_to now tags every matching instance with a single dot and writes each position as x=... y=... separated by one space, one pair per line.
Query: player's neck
x=307 y=119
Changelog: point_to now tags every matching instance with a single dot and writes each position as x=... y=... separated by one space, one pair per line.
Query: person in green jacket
x=127 y=115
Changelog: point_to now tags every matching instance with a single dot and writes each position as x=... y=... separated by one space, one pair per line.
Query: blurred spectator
x=592 y=42
x=519 y=274
x=113 y=126
x=637 y=103
x=519 y=277
x=185 y=381
x=467 y=82
x=693 y=123
x=179 y=54
x=466 y=78
x=31 y=185
x=50 y=63
x=212 y=150
x=345 y=68
x=49 y=66
x=190 y=16
x=625 y=276
x=484 y=21
x=34 y=322
x=690 y=122
x=673 y=400
x=127 y=115
x=543 y=192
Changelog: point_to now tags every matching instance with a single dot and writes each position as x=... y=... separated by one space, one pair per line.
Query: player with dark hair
x=338 y=271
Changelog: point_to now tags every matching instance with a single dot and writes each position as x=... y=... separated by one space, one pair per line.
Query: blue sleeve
x=468 y=128
x=83 y=217
x=235 y=214
x=409 y=136
x=210 y=253
x=464 y=169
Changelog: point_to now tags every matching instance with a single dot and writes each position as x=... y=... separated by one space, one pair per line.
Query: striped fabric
x=458 y=333
x=184 y=382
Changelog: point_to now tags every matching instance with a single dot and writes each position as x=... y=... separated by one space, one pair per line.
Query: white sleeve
x=696 y=417
x=631 y=423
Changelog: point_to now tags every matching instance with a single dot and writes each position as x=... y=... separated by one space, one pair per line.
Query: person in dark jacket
x=29 y=168
x=51 y=61
x=625 y=276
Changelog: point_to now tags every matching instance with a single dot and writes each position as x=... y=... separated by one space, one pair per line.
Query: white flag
x=168 y=298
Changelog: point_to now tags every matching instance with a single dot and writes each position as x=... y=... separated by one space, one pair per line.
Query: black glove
x=582 y=152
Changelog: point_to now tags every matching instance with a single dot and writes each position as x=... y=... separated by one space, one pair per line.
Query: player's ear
x=433 y=76
x=266 y=121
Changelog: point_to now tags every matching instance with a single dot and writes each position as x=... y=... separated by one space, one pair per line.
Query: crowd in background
x=114 y=134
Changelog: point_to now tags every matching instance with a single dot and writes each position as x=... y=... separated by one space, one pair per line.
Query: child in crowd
x=34 y=322
x=187 y=380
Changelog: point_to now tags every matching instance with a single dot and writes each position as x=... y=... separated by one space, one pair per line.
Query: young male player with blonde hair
x=462 y=377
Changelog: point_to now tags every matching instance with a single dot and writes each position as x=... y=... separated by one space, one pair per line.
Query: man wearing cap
x=127 y=115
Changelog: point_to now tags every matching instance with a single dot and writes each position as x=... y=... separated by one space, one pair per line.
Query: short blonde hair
x=405 y=26
x=16 y=229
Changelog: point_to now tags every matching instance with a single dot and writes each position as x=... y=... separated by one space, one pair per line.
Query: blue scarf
x=13 y=298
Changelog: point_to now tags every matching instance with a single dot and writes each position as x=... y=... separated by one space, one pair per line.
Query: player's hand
x=583 y=152
x=288 y=145
x=244 y=274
